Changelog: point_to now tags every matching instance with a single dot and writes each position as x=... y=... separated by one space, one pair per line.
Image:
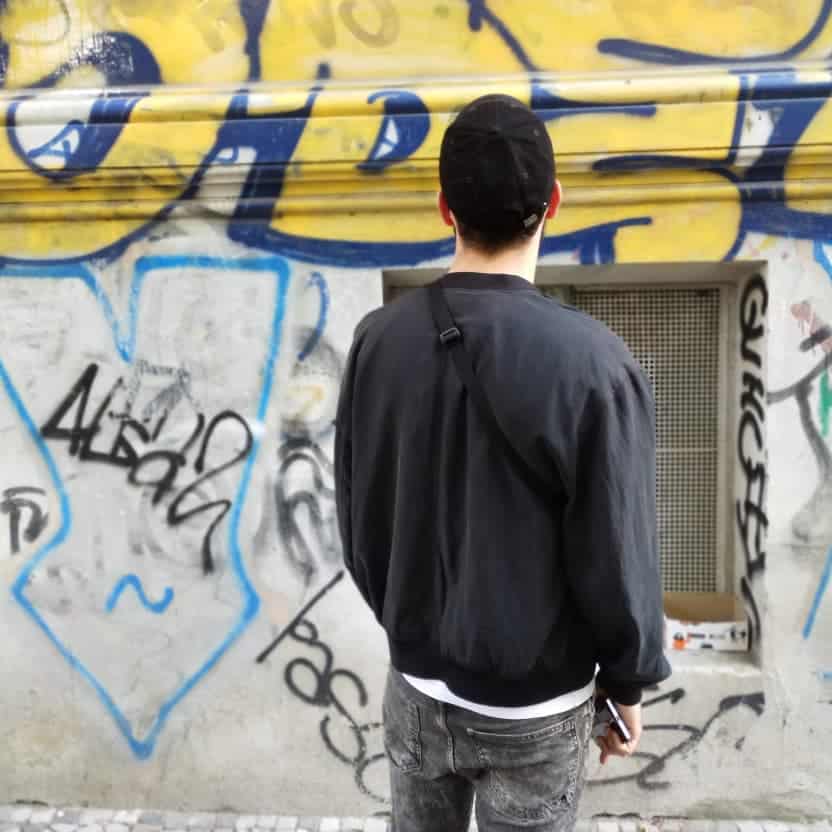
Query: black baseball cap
x=497 y=165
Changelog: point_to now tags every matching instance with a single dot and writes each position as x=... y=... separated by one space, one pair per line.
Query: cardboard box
x=705 y=621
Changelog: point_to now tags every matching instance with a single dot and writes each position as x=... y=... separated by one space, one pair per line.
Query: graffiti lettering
x=265 y=144
x=155 y=469
x=301 y=550
x=323 y=22
x=387 y=31
x=17 y=500
x=304 y=492
x=47 y=37
x=655 y=764
x=752 y=520
x=820 y=335
x=811 y=522
x=96 y=556
x=167 y=399
x=328 y=690
x=398 y=138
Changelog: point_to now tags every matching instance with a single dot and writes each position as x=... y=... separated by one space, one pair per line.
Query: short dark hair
x=493 y=242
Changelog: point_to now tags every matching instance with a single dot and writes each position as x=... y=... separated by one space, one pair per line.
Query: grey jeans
x=525 y=773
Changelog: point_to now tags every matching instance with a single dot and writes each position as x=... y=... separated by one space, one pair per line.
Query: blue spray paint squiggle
x=134 y=582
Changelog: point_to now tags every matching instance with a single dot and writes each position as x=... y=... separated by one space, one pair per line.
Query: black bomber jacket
x=508 y=595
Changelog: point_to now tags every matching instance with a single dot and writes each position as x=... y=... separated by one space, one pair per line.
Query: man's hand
x=611 y=744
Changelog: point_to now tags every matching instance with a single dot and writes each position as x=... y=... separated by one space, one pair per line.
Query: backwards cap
x=497 y=165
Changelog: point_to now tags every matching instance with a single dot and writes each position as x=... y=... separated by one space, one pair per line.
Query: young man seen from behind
x=495 y=474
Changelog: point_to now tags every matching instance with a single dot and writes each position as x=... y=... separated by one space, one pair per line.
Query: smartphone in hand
x=607 y=716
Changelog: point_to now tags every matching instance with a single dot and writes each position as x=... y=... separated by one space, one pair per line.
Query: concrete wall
x=185 y=248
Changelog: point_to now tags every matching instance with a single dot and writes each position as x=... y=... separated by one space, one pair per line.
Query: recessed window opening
x=688 y=325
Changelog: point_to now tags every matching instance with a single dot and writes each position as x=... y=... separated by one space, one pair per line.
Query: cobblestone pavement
x=25 y=818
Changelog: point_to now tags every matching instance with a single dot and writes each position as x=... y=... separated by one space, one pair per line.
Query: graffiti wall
x=198 y=202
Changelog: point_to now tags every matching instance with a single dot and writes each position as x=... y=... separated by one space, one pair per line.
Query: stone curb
x=31 y=818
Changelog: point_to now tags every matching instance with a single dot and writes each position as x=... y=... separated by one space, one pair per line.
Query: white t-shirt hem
x=437 y=689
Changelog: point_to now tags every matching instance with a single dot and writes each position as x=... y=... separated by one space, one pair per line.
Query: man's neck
x=520 y=261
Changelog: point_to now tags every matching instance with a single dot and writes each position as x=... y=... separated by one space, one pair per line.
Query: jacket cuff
x=623 y=694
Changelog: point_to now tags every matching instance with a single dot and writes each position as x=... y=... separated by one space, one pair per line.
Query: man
x=504 y=572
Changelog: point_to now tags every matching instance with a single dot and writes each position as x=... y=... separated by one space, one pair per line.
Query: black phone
x=607 y=716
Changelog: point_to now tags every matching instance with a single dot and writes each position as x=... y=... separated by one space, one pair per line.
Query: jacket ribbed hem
x=488 y=689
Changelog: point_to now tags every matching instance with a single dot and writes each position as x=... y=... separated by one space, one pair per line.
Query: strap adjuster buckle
x=450 y=335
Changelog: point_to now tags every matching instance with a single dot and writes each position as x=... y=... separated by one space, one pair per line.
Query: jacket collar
x=479 y=280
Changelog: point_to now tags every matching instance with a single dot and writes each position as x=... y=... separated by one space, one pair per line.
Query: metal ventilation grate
x=674 y=334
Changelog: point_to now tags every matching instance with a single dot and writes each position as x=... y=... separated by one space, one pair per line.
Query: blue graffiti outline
x=133 y=581
x=722 y=167
x=4 y=59
x=110 y=252
x=761 y=188
x=124 y=344
x=232 y=132
x=550 y=106
x=124 y=60
x=261 y=193
x=274 y=266
x=594 y=244
x=657 y=161
x=658 y=54
x=823 y=585
x=254 y=14
x=410 y=117
x=96 y=138
x=5 y=50
x=479 y=13
x=822 y=258
x=120 y=56
x=250 y=223
x=48 y=148
x=237 y=129
x=317 y=280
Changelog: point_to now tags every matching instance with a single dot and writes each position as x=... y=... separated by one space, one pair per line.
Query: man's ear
x=444 y=210
x=554 y=200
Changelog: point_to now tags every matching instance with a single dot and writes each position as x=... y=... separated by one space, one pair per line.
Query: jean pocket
x=402 y=731
x=530 y=777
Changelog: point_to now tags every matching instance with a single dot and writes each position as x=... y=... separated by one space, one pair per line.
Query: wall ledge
x=331 y=147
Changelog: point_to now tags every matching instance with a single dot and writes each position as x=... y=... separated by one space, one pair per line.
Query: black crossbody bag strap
x=451 y=338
